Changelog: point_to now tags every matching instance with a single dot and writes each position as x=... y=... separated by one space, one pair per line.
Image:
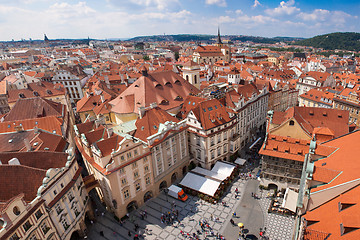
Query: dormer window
x=36 y=94
x=21 y=95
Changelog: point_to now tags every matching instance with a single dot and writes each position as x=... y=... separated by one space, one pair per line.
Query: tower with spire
x=46 y=39
x=219 y=43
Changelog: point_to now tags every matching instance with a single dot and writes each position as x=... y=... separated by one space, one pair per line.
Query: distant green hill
x=341 y=40
x=209 y=38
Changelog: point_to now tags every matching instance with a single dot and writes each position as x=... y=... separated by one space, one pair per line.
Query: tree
x=176 y=56
x=146 y=58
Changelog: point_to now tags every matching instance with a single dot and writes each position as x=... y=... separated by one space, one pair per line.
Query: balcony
x=234 y=137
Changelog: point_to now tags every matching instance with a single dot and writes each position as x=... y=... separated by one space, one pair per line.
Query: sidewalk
x=248 y=212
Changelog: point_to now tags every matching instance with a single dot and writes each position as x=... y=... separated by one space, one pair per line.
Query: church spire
x=219 y=39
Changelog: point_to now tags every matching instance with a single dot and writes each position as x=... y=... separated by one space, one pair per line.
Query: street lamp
x=166 y=193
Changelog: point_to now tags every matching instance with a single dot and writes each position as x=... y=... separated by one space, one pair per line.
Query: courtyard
x=249 y=211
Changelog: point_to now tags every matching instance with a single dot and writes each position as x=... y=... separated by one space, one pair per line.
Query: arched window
x=291 y=123
x=187 y=77
x=195 y=80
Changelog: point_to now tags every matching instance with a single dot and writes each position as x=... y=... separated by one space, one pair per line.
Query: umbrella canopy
x=240 y=224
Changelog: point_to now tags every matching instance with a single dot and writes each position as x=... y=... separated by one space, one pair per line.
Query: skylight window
x=155 y=127
x=210 y=108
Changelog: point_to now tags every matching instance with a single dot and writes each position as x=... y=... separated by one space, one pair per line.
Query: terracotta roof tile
x=167 y=89
x=148 y=124
x=35 y=108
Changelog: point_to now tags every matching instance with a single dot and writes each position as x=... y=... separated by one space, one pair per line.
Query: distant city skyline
x=104 y=19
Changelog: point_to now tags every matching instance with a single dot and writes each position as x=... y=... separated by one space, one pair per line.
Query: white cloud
x=285 y=8
x=225 y=19
x=220 y=3
x=256 y=4
x=238 y=11
x=158 y=4
x=323 y=17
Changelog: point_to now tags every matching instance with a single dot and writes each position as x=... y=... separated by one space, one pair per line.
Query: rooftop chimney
x=141 y=112
x=27 y=145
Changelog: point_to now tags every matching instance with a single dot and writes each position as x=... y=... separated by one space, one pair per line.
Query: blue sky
x=122 y=19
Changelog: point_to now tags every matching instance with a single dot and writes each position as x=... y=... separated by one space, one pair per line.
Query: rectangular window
x=126 y=193
x=123 y=181
x=134 y=165
x=64 y=223
x=146 y=168
x=145 y=159
x=27 y=226
x=147 y=180
x=70 y=196
x=135 y=152
x=122 y=158
x=38 y=214
x=128 y=155
x=136 y=174
x=137 y=186
x=14 y=237
x=44 y=228
x=58 y=209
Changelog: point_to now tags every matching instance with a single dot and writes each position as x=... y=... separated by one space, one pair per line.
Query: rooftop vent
x=14 y=161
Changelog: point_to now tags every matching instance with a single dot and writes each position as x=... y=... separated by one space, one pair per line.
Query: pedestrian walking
x=234 y=214
x=145 y=213
x=232 y=222
x=129 y=233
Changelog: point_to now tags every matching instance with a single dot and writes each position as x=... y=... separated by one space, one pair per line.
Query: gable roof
x=211 y=113
x=34 y=108
x=166 y=88
x=311 y=118
x=148 y=124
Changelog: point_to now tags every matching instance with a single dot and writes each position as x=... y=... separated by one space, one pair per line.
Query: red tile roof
x=211 y=114
x=34 y=108
x=311 y=117
x=17 y=179
x=148 y=124
x=167 y=89
x=51 y=124
x=40 y=89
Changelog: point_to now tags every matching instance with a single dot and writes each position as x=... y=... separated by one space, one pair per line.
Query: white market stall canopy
x=290 y=200
x=209 y=174
x=240 y=161
x=201 y=184
x=223 y=168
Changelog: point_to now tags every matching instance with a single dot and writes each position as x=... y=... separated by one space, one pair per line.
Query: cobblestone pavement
x=194 y=209
x=278 y=227
x=188 y=218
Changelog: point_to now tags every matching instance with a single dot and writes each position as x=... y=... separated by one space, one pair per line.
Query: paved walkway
x=248 y=212
x=190 y=213
x=252 y=213
x=278 y=227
